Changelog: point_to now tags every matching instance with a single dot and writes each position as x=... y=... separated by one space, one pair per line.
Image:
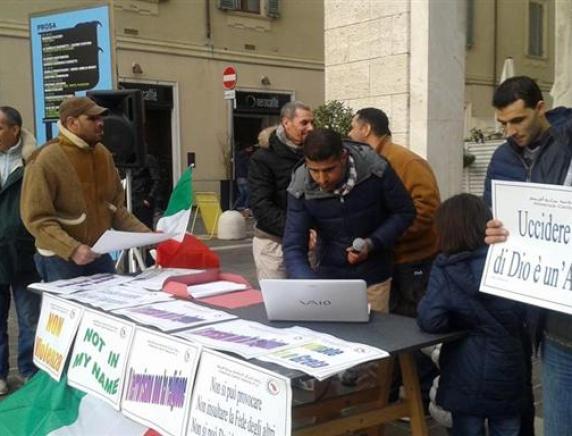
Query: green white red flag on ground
x=46 y=407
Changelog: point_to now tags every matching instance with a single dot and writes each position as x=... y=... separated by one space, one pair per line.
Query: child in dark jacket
x=483 y=375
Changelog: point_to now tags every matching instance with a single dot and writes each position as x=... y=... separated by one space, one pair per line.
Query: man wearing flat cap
x=72 y=194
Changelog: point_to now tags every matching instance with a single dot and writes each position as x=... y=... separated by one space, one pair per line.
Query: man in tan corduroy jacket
x=72 y=194
x=414 y=252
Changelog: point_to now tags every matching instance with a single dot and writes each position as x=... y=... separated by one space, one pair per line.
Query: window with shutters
x=537 y=15
x=269 y=8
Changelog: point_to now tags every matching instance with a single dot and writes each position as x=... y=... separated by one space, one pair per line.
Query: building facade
x=522 y=30
x=433 y=65
x=176 y=51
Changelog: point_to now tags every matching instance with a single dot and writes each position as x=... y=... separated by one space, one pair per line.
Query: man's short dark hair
x=376 y=118
x=517 y=88
x=461 y=222
x=323 y=144
x=13 y=117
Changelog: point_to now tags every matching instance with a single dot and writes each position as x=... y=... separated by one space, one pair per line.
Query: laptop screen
x=315 y=300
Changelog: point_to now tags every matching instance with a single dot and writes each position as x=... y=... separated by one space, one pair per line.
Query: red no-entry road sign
x=229 y=78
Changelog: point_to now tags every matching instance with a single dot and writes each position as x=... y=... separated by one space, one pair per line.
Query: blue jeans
x=243 y=200
x=53 y=268
x=556 y=388
x=28 y=311
x=470 y=425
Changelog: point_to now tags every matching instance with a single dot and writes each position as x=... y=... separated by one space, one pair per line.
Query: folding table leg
x=413 y=394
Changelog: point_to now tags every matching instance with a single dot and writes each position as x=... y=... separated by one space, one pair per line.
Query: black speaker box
x=123 y=125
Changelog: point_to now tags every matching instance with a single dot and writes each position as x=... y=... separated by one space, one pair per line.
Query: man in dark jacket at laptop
x=357 y=205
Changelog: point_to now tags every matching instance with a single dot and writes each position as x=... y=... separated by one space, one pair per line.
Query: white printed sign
x=234 y=397
x=534 y=265
x=246 y=338
x=97 y=364
x=159 y=381
x=79 y=284
x=57 y=326
x=324 y=356
x=174 y=315
x=118 y=297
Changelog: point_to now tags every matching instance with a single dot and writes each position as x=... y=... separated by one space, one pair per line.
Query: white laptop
x=315 y=300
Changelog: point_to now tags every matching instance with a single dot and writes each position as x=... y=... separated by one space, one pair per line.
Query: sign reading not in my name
x=99 y=357
x=535 y=264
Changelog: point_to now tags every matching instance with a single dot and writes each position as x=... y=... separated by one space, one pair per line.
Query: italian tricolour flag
x=176 y=218
x=46 y=407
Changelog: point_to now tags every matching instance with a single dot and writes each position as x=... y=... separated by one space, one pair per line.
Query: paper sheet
x=154 y=278
x=114 y=240
x=214 y=288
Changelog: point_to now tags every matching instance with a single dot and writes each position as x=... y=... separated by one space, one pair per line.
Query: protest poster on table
x=57 y=326
x=324 y=356
x=535 y=264
x=174 y=315
x=234 y=397
x=97 y=364
x=159 y=381
x=117 y=297
x=248 y=339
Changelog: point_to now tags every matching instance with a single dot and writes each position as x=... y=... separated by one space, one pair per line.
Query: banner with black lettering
x=234 y=397
x=535 y=264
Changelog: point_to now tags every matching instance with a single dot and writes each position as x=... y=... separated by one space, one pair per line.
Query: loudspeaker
x=123 y=125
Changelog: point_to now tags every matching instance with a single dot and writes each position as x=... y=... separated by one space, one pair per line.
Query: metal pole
x=128 y=194
x=230 y=130
x=134 y=257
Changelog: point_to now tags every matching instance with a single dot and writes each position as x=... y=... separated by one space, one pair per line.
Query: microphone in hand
x=359 y=245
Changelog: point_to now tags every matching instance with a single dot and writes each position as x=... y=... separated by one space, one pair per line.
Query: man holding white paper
x=72 y=194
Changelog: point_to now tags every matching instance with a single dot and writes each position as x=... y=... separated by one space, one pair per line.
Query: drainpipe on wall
x=495 y=43
x=208 y=21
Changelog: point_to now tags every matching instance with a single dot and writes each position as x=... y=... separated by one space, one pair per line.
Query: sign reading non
x=71 y=54
x=58 y=324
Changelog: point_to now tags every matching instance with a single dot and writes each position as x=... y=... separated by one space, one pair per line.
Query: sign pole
x=230 y=127
x=229 y=85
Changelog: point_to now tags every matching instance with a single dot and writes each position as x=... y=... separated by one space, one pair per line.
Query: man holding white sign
x=538 y=149
x=72 y=194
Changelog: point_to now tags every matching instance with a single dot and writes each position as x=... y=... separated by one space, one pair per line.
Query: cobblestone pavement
x=236 y=256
